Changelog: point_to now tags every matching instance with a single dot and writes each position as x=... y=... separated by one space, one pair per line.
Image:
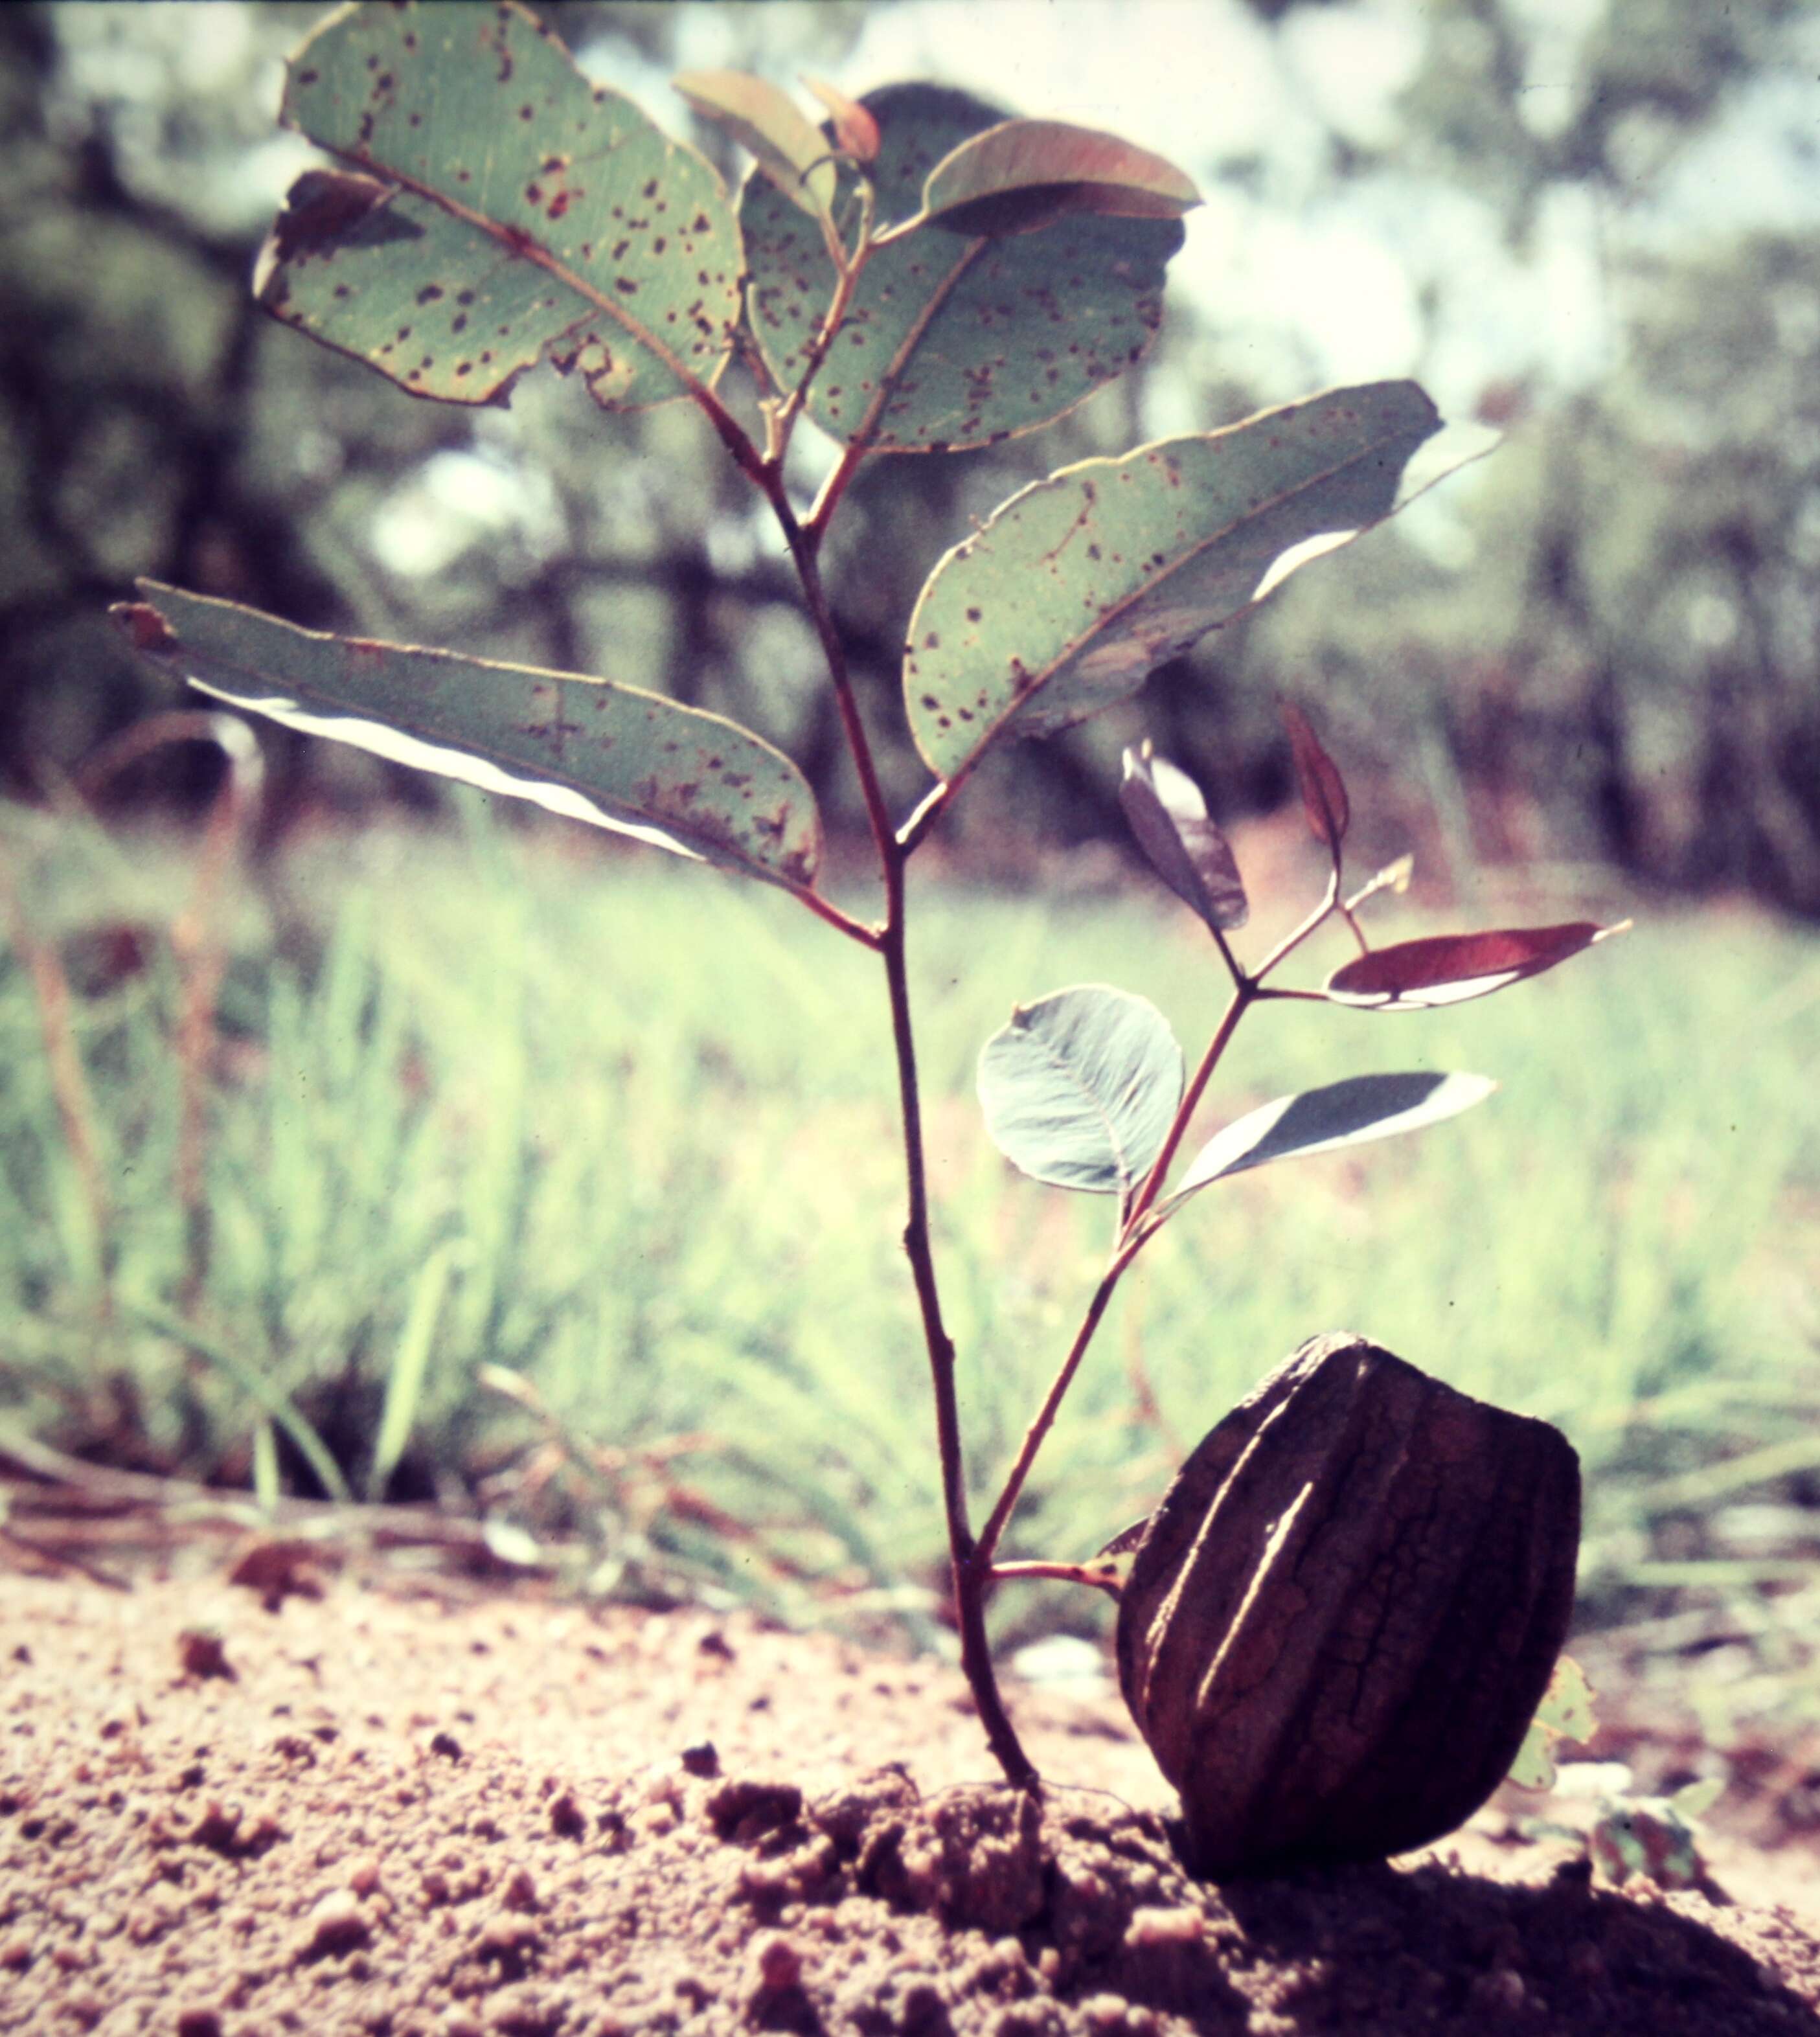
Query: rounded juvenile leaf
x=501 y=210
x=1449 y=969
x=1081 y=585
x=1023 y=174
x=1080 y=1088
x=1321 y=1120
x=1323 y=790
x=768 y=123
x=1167 y=815
x=950 y=341
x=612 y=755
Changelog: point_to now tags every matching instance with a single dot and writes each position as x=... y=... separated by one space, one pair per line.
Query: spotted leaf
x=611 y=755
x=951 y=340
x=1077 y=588
x=498 y=210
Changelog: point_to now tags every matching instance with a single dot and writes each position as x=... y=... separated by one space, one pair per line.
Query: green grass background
x=627 y=1129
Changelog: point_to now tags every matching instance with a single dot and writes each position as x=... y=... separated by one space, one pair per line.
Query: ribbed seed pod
x=1340 y=1621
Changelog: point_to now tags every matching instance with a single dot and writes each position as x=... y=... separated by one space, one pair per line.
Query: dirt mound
x=401 y=1818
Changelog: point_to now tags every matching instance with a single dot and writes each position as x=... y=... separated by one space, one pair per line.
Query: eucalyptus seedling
x=919 y=273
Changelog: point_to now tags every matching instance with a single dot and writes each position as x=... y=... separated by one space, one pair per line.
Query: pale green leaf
x=950 y=342
x=1081 y=585
x=614 y=756
x=1080 y=1088
x=501 y=210
x=1321 y=1120
x=768 y=123
x=1565 y=1713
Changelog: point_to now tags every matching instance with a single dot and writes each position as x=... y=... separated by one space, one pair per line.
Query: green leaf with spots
x=1080 y=1088
x=1080 y=586
x=951 y=341
x=614 y=756
x=498 y=210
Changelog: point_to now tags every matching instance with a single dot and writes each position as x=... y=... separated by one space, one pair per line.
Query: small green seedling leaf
x=1321 y=1120
x=1081 y=585
x=1565 y=1713
x=1449 y=969
x=1166 y=813
x=855 y=131
x=1023 y=174
x=1080 y=1088
x=950 y=341
x=499 y=209
x=767 y=122
x=1323 y=790
x=614 y=756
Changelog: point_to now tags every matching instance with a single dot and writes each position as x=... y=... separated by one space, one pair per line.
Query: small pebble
x=336 y=1924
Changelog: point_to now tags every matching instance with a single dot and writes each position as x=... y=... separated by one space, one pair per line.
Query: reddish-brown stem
x=971 y=1576
x=1045 y=1415
x=1245 y=992
x=1069 y=1574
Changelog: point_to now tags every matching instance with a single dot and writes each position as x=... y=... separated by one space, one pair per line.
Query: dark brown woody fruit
x=1339 y=1622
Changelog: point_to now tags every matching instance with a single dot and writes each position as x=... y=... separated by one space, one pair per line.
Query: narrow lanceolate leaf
x=951 y=340
x=1167 y=815
x=1080 y=1088
x=768 y=123
x=1448 y=969
x=498 y=210
x=1323 y=790
x=1023 y=174
x=1082 y=584
x=612 y=755
x=1321 y=1120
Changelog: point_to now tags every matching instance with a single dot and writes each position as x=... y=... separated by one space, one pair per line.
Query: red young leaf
x=855 y=129
x=1448 y=969
x=1323 y=790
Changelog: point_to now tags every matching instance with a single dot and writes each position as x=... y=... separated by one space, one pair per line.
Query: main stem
x=971 y=1570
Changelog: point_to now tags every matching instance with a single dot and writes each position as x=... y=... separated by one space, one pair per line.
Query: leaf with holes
x=1079 y=1090
x=1023 y=174
x=612 y=755
x=498 y=210
x=1167 y=815
x=772 y=128
x=1080 y=586
x=950 y=341
x=1323 y=790
x=1321 y=1120
x=1449 y=969
x=1565 y=1713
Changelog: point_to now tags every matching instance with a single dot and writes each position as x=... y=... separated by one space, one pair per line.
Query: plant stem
x=1069 y=1574
x=1045 y=1415
x=971 y=1574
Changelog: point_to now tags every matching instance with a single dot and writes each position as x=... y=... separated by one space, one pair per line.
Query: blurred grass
x=624 y=1132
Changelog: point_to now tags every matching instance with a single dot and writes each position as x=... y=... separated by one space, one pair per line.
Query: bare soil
x=227 y=1811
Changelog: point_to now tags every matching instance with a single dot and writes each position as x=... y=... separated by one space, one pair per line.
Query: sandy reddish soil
x=409 y=1817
